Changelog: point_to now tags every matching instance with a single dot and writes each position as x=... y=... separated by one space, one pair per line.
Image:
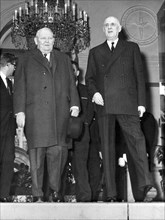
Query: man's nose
x=47 y=40
x=109 y=26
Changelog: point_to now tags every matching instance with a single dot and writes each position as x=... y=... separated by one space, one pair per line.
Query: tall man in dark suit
x=45 y=95
x=7 y=126
x=115 y=81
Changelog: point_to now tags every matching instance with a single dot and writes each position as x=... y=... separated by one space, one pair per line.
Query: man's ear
x=35 y=40
x=120 y=28
x=78 y=72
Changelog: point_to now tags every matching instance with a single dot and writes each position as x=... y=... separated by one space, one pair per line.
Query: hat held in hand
x=75 y=126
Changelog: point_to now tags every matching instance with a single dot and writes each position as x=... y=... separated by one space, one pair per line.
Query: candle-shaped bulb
x=65 y=8
x=80 y=14
x=26 y=9
x=46 y=7
x=36 y=8
x=74 y=9
x=20 y=11
x=31 y=3
x=56 y=9
x=16 y=14
x=85 y=16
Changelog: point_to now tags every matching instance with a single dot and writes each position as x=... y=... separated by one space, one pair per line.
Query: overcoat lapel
x=39 y=57
x=116 y=54
x=105 y=51
x=53 y=61
x=112 y=56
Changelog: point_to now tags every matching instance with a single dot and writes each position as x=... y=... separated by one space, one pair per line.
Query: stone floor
x=82 y=211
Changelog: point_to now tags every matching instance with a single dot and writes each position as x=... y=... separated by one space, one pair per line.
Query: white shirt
x=47 y=56
x=4 y=78
x=110 y=43
x=161 y=89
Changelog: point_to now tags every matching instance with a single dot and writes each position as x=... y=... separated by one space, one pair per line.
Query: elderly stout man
x=44 y=97
x=116 y=83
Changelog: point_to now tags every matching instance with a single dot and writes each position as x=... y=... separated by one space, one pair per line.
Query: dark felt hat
x=75 y=126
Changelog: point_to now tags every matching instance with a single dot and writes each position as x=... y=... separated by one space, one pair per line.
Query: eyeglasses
x=14 y=64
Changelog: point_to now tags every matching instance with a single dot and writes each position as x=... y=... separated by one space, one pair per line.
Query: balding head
x=43 y=30
x=111 y=28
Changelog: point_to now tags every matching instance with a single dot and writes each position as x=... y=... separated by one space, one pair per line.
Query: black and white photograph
x=82 y=110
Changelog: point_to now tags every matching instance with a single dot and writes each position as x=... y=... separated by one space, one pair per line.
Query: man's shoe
x=55 y=197
x=6 y=199
x=38 y=199
x=150 y=193
x=111 y=199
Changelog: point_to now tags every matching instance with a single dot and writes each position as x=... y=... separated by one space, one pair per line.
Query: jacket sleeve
x=19 y=87
x=74 y=97
x=90 y=77
x=139 y=72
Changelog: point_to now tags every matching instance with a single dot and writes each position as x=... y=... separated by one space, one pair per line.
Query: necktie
x=45 y=55
x=112 y=46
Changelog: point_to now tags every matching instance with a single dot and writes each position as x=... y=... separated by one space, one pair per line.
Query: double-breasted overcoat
x=118 y=76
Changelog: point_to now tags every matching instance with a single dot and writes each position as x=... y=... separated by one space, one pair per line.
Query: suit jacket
x=45 y=93
x=118 y=76
x=7 y=123
x=6 y=101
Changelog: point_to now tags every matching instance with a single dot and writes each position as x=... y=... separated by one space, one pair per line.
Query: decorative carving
x=140 y=25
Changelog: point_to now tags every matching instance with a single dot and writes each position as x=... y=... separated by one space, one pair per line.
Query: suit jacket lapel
x=3 y=87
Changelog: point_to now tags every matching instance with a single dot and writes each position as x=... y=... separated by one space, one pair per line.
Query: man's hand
x=74 y=111
x=20 y=119
x=98 y=99
x=141 y=110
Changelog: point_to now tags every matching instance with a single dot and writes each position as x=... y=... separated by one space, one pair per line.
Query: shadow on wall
x=123 y=35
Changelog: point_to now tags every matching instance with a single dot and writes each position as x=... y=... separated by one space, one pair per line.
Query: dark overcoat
x=118 y=76
x=45 y=92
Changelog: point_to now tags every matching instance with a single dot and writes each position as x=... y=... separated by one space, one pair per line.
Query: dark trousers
x=135 y=144
x=6 y=154
x=150 y=130
x=94 y=161
x=79 y=166
x=56 y=157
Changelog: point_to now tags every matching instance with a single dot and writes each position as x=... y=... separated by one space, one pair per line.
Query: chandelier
x=69 y=24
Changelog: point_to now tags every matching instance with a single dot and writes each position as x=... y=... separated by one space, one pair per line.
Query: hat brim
x=75 y=127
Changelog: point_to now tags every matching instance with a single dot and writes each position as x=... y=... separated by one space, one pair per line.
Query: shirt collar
x=3 y=76
x=47 y=56
x=110 y=42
